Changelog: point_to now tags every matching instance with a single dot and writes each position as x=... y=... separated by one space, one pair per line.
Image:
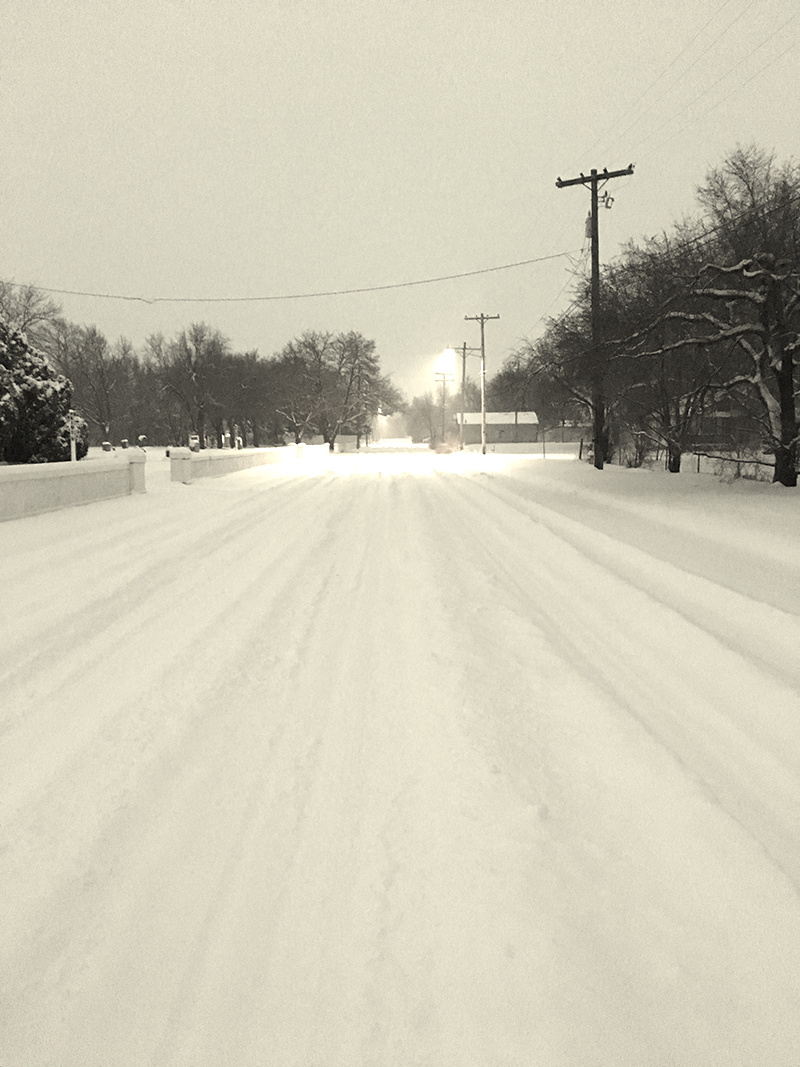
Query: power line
x=303 y=296
x=683 y=74
x=733 y=91
x=677 y=246
x=573 y=274
x=738 y=218
x=658 y=78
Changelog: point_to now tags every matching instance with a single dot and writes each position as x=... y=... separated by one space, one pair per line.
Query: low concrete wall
x=187 y=466
x=31 y=488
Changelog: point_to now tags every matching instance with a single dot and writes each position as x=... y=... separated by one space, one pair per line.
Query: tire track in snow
x=724 y=718
x=143 y=695
x=765 y=572
x=63 y=652
x=311 y=858
x=755 y=630
x=119 y=846
x=231 y=968
x=676 y=923
x=274 y=969
x=116 y=660
x=343 y=956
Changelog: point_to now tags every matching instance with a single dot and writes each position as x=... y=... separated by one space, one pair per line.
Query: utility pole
x=464 y=351
x=593 y=179
x=442 y=376
x=463 y=396
x=482 y=319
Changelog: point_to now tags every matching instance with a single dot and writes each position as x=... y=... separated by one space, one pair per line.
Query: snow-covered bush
x=35 y=405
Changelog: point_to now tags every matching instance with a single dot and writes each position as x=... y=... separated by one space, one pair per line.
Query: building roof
x=498 y=418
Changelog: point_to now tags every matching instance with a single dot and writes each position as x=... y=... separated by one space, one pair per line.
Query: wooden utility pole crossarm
x=593 y=179
x=594 y=176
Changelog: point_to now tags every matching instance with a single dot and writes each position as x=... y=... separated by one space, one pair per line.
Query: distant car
x=194 y=442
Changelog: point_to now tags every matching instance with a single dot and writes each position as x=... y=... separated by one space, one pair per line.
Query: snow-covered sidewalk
x=403 y=760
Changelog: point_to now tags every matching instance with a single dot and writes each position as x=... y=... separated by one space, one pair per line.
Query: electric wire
x=575 y=270
x=466 y=274
x=573 y=274
x=655 y=81
x=727 y=222
x=304 y=296
x=677 y=246
x=661 y=75
x=736 y=89
x=683 y=74
x=709 y=231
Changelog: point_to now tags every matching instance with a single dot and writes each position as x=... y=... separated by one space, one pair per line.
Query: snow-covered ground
x=403 y=759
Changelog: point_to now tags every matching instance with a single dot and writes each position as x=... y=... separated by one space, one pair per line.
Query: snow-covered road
x=403 y=759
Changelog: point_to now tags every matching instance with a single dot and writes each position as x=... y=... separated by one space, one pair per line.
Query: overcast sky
x=253 y=148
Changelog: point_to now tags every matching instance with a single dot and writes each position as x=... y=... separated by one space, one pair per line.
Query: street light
x=445 y=372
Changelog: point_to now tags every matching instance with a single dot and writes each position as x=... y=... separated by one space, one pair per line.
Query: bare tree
x=101 y=374
x=29 y=310
x=300 y=382
x=424 y=418
x=753 y=282
x=188 y=367
x=331 y=383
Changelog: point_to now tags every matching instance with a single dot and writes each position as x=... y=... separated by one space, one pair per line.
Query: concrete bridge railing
x=31 y=488
x=187 y=466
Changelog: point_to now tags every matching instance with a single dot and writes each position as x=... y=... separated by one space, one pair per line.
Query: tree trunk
x=599 y=434
x=785 y=468
x=200 y=428
x=674 y=455
x=608 y=444
x=785 y=471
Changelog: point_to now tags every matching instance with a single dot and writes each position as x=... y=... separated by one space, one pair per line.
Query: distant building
x=726 y=423
x=502 y=427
